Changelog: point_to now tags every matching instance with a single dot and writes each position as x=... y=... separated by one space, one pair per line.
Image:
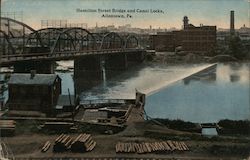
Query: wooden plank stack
x=62 y=143
x=7 y=127
x=144 y=147
x=46 y=146
x=83 y=143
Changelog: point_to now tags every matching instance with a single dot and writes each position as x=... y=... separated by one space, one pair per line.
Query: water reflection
x=234 y=78
x=234 y=72
x=207 y=75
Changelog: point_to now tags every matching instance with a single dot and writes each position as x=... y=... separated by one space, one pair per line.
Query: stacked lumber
x=83 y=143
x=7 y=127
x=46 y=146
x=62 y=143
x=144 y=147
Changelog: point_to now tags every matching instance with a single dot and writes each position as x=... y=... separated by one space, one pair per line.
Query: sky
x=206 y=12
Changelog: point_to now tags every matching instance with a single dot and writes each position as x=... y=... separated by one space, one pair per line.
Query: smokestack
x=185 y=22
x=232 y=23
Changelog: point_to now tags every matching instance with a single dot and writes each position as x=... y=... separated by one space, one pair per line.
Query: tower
x=185 y=22
x=232 y=30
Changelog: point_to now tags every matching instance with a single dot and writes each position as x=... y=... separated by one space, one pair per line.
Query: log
x=184 y=146
x=92 y=146
x=46 y=146
x=145 y=147
x=177 y=146
x=62 y=143
x=171 y=145
x=141 y=148
x=57 y=139
x=84 y=143
x=167 y=148
x=152 y=146
x=148 y=147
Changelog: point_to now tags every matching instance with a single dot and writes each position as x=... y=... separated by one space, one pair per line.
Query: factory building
x=190 y=38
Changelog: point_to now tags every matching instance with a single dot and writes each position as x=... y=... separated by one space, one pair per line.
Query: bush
x=177 y=124
x=234 y=127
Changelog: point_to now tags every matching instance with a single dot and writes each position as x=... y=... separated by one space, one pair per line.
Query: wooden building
x=34 y=92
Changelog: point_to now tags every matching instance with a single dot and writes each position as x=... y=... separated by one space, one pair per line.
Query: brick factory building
x=190 y=38
x=163 y=41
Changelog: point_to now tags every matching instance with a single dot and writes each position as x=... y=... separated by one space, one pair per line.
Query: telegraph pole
x=1 y=28
x=0 y=14
x=249 y=13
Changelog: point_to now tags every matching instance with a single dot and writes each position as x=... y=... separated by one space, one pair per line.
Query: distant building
x=244 y=29
x=191 y=38
x=198 y=39
x=163 y=41
x=244 y=33
x=34 y=92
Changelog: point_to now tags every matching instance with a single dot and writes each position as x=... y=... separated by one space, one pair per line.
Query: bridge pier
x=42 y=67
x=87 y=72
x=136 y=56
x=115 y=64
x=116 y=61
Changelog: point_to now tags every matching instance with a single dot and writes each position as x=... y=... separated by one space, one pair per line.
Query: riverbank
x=29 y=144
x=172 y=58
x=189 y=58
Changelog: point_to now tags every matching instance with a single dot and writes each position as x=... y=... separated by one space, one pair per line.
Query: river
x=206 y=97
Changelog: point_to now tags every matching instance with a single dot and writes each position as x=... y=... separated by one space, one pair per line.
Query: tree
x=236 y=48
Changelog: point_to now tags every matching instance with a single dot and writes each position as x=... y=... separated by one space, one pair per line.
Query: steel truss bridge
x=20 y=42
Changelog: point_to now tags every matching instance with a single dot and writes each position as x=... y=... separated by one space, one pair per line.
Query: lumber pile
x=46 y=146
x=83 y=143
x=144 y=147
x=7 y=127
x=62 y=143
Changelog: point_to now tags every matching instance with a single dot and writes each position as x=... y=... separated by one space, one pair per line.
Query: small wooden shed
x=34 y=92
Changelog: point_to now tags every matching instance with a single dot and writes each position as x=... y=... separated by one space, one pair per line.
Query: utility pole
x=0 y=14
x=249 y=13
x=1 y=28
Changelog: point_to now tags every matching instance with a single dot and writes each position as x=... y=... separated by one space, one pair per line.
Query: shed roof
x=38 y=79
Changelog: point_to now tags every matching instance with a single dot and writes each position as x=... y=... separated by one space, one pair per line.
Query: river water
x=220 y=93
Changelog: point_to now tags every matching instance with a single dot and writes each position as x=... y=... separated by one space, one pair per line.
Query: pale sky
x=207 y=12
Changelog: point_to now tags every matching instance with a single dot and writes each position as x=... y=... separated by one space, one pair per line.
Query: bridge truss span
x=20 y=42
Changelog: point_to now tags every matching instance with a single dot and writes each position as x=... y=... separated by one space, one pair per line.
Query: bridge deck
x=66 y=55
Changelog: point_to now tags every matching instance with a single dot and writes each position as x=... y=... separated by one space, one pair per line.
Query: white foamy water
x=146 y=79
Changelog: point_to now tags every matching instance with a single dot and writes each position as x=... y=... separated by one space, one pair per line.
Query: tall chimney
x=185 y=22
x=232 y=31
